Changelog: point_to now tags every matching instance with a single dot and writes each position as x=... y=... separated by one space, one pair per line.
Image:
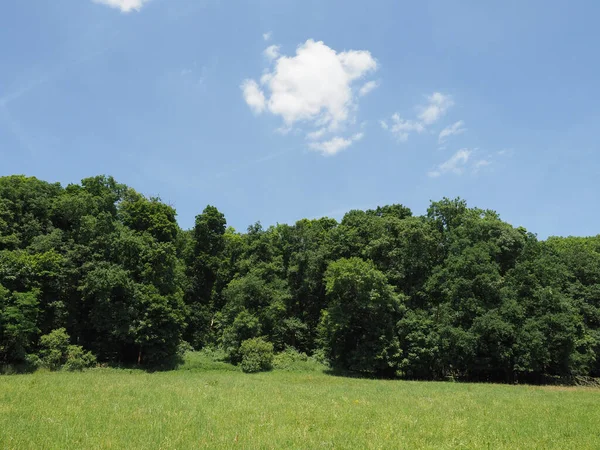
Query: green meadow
x=214 y=405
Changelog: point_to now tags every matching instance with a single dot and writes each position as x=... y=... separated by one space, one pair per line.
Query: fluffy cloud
x=315 y=85
x=456 y=164
x=335 y=145
x=368 y=87
x=267 y=36
x=254 y=96
x=123 y=5
x=437 y=106
x=454 y=129
x=315 y=88
x=272 y=52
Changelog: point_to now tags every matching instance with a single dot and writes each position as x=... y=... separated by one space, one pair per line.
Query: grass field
x=215 y=406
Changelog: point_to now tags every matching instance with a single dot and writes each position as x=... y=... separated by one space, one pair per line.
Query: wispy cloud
x=464 y=160
x=505 y=152
x=452 y=130
x=239 y=167
x=272 y=52
x=335 y=145
x=267 y=36
x=13 y=126
x=317 y=134
x=437 y=105
x=18 y=132
x=456 y=164
x=401 y=128
x=46 y=77
x=124 y=5
x=368 y=87
x=481 y=164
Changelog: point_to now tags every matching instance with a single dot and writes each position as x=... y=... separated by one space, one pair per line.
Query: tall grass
x=214 y=405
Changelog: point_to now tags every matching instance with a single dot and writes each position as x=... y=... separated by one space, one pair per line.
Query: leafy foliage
x=56 y=353
x=358 y=327
x=257 y=355
x=456 y=293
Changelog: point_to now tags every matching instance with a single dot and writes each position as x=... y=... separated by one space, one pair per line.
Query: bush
x=57 y=354
x=78 y=359
x=207 y=359
x=320 y=356
x=32 y=362
x=294 y=361
x=245 y=326
x=257 y=355
x=54 y=348
x=183 y=348
x=215 y=354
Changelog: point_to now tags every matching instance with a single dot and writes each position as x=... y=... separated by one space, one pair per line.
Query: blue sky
x=275 y=110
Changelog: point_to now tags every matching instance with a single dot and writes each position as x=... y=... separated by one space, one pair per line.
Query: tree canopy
x=108 y=274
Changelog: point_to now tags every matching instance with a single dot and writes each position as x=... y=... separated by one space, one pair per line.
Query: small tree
x=57 y=354
x=257 y=355
x=54 y=348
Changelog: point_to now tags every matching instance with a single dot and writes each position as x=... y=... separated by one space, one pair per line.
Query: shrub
x=320 y=356
x=294 y=361
x=32 y=362
x=207 y=359
x=56 y=352
x=245 y=326
x=54 y=348
x=257 y=355
x=78 y=359
x=215 y=354
x=183 y=348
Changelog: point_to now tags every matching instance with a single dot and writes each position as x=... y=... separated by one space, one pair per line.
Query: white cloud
x=335 y=145
x=272 y=52
x=123 y=5
x=505 y=152
x=254 y=97
x=314 y=86
x=368 y=87
x=401 y=128
x=267 y=36
x=456 y=164
x=437 y=106
x=318 y=134
x=480 y=164
x=454 y=129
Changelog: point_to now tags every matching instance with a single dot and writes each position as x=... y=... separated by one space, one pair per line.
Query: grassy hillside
x=216 y=406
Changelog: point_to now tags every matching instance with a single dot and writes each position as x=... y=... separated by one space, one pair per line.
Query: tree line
x=99 y=271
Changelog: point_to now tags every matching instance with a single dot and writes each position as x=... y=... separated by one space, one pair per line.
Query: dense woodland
x=98 y=272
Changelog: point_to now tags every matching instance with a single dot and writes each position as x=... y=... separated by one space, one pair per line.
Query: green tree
x=18 y=324
x=358 y=328
x=208 y=243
